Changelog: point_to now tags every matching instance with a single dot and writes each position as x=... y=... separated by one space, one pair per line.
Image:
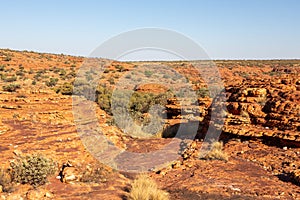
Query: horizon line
x=164 y=60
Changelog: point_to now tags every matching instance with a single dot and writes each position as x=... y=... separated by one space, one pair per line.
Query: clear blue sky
x=230 y=29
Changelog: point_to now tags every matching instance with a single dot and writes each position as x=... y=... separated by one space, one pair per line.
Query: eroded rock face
x=255 y=109
x=273 y=106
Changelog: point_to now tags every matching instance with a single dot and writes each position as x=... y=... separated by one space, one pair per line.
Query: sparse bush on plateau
x=104 y=98
x=120 y=68
x=148 y=73
x=128 y=76
x=32 y=169
x=65 y=89
x=62 y=72
x=20 y=73
x=30 y=71
x=215 y=152
x=7 y=58
x=52 y=82
x=99 y=174
x=145 y=188
x=203 y=92
x=111 y=81
x=72 y=74
x=10 y=79
x=11 y=87
x=2 y=67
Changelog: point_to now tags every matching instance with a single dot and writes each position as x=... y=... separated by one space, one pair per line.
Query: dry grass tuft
x=145 y=188
x=215 y=152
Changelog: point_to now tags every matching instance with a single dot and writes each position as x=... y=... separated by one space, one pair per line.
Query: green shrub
x=148 y=73
x=139 y=102
x=7 y=58
x=62 y=72
x=166 y=76
x=145 y=188
x=128 y=76
x=103 y=98
x=65 y=89
x=120 y=68
x=32 y=169
x=11 y=87
x=111 y=80
x=106 y=71
x=37 y=76
x=3 y=76
x=52 y=82
x=10 y=79
x=30 y=71
x=41 y=71
x=20 y=73
x=2 y=67
x=52 y=68
x=89 y=77
x=203 y=92
x=21 y=96
x=72 y=74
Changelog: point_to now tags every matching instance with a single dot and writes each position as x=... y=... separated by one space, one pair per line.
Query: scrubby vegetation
x=52 y=82
x=2 y=68
x=98 y=174
x=139 y=102
x=10 y=79
x=32 y=169
x=144 y=188
x=65 y=89
x=203 y=92
x=11 y=87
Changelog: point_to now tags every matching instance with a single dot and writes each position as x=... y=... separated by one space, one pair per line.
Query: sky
x=225 y=29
